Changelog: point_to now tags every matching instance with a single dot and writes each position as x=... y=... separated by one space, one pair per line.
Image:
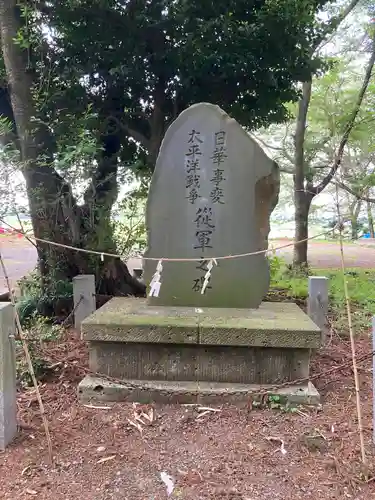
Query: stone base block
x=273 y=324
x=206 y=363
x=99 y=390
x=129 y=339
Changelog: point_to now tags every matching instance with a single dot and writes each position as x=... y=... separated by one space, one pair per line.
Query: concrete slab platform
x=273 y=324
x=98 y=390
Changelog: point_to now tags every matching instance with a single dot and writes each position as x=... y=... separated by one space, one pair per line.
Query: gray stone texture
x=173 y=362
x=84 y=297
x=130 y=339
x=317 y=304
x=273 y=324
x=99 y=390
x=212 y=194
x=8 y=390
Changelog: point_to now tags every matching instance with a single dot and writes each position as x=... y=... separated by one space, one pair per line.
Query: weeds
x=38 y=332
x=361 y=283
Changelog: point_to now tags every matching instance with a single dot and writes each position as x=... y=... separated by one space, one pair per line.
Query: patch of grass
x=38 y=332
x=361 y=286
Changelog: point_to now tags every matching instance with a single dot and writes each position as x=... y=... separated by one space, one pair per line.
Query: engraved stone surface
x=212 y=194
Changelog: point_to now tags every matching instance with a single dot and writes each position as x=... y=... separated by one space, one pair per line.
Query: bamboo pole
x=29 y=362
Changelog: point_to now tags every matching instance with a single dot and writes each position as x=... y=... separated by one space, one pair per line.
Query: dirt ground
x=99 y=454
x=19 y=257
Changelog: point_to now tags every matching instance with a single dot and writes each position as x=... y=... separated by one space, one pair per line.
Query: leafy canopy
x=140 y=63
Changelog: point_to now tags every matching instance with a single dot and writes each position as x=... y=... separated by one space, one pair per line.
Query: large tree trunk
x=54 y=212
x=302 y=198
x=302 y=202
x=300 y=185
x=370 y=219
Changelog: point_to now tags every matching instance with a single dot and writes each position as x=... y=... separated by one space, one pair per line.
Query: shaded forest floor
x=104 y=453
x=228 y=454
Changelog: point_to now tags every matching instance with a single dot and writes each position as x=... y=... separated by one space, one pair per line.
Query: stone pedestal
x=179 y=354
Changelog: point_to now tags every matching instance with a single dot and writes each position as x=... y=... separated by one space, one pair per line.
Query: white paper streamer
x=155 y=283
x=207 y=276
x=168 y=481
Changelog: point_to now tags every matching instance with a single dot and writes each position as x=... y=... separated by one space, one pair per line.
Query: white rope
x=179 y=259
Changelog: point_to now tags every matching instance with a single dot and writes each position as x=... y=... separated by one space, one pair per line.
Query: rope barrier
x=177 y=259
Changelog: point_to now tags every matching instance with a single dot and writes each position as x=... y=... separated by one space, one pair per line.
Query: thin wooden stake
x=352 y=340
x=29 y=362
x=373 y=379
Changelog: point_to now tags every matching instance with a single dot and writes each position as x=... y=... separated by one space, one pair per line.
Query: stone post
x=8 y=390
x=84 y=297
x=317 y=306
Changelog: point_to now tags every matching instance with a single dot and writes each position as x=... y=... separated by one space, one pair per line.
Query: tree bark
x=370 y=219
x=354 y=209
x=54 y=212
x=302 y=203
x=302 y=199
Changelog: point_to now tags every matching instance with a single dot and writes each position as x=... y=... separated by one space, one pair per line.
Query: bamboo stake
x=352 y=340
x=29 y=362
x=373 y=380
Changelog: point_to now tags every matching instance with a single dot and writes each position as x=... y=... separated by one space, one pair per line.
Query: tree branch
x=137 y=136
x=300 y=133
x=275 y=148
x=333 y=23
x=354 y=193
x=349 y=127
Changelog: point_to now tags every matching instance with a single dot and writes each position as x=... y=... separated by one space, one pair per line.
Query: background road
x=20 y=256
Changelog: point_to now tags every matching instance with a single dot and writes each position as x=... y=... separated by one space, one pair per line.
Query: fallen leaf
x=98 y=407
x=278 y=440
x=106 y=459
x=207 y=408
x=135 y=424
x=149 y=416
x=202 y=415
x=31 y=492
x=26 y=469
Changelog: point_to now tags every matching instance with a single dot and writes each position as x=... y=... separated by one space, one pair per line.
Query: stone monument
x=204 y=336
x=211 y=195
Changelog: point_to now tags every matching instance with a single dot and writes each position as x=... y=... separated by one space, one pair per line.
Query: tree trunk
x=354 y=219
x=370 y=220
x=302 y=202
x=354 y=228
x=54 y=212
x=302 y=198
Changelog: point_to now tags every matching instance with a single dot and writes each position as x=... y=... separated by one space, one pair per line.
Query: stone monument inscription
x=212 y=194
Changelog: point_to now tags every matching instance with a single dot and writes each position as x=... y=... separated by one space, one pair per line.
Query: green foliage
x=38 y=331
x=245 y=56
x=277 y=266
x=77 y=146
x=275 y=402
x=129 y=227
x=361 y=286
x=42 y=296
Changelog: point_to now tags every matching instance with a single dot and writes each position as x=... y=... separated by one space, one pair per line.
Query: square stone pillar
x=84 y=297
x=8 y=388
